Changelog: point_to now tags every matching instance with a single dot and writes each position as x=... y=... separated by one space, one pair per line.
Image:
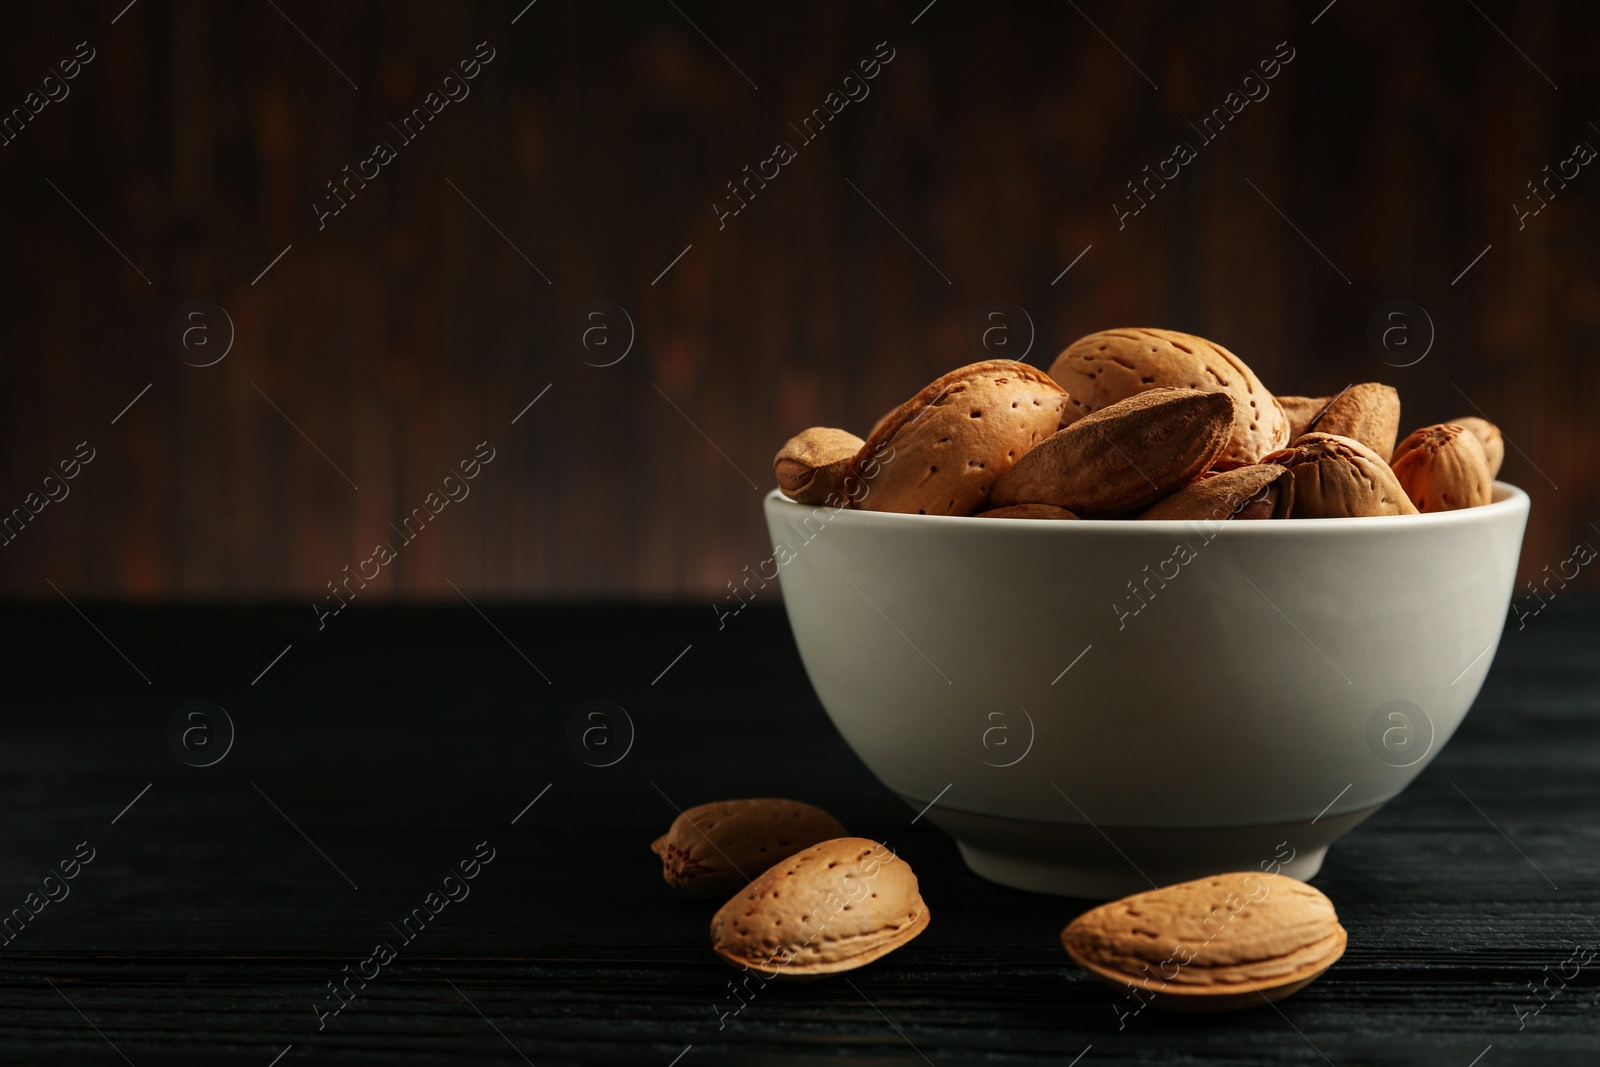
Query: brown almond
x=1259 y=491
x=712 y=849
x=1443 y=468
x=1488 y=435
x=1368 y=412
x=1228 y=941
x=1123 y=457
x=1302 y=411
x=1027 y=511
x=942 y=451
x=1103 y=368
x=834 y=907
x=1339 y=477
x=811 y=466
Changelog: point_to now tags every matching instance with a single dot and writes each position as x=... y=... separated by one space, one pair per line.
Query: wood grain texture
x=207 y=927
x=986 y=158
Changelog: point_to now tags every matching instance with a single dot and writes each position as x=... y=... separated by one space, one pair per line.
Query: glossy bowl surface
x=1092 y=707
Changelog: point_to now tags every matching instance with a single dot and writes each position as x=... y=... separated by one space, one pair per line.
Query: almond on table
x=714 y=848
x=1220 y=943
x=836 y=906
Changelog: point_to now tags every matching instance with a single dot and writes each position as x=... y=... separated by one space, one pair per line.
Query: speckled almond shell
x=1444 y=468
x=1102 y=368
x=715 y=848
x=941 y=452
x=1488 y=435
x=1228 y=940
x=834 y=907
x=1124 y=457
x=1339 y=477
x=1369 y=412
x=1222 y=495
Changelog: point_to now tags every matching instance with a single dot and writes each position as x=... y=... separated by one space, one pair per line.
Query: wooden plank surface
x=206 y=927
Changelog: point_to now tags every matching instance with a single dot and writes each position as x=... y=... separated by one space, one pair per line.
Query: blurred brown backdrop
x=985 y=158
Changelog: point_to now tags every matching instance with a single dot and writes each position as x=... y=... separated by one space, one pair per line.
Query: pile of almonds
x=1141 y=423
x=809 y=901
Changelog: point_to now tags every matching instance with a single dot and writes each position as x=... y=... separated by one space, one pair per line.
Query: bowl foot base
x=1113 y=861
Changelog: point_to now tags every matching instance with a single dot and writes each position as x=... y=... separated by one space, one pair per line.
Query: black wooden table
x=223 y=904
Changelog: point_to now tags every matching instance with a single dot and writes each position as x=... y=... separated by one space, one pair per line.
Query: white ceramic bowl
x=1094 y=707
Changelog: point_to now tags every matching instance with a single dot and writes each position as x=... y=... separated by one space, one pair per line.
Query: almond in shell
x=714 y=848
x=1369 y=412
x=941 y=452
x=1302 y=411
x=834 y=907
x=1488 y=435
x=811 y=466
x=1443 y=468
x=1228 y=941
x=1123 y=457
x=1103 y=368
x=1259 y=491
x=1339 y=477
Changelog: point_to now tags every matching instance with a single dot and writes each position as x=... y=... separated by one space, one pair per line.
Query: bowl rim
x=1507 y=500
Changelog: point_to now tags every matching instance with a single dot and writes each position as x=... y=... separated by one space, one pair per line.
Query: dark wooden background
x=995 y=142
